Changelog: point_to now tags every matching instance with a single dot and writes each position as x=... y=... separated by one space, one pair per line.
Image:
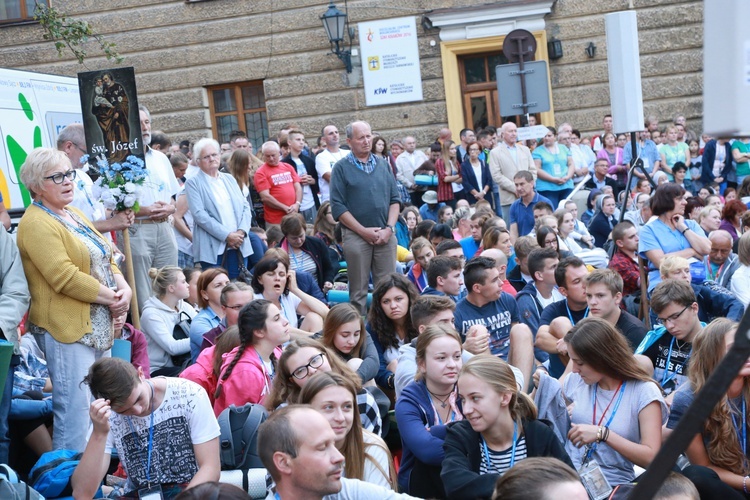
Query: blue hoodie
x=422 y=440
x=529 y=310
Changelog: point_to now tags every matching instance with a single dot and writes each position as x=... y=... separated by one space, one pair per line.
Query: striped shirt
x=499 y=461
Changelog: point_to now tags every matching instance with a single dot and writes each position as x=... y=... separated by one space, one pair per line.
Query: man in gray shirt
x=365 y=200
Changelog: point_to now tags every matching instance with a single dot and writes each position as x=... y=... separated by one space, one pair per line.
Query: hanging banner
x=390 y=61
x=110 y=115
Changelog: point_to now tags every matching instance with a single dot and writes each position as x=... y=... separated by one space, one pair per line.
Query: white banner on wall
x=390 y=61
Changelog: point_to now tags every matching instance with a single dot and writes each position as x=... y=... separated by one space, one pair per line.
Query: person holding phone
x=670 y=233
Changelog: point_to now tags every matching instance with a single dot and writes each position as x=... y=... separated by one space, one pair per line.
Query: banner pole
x=135 y=315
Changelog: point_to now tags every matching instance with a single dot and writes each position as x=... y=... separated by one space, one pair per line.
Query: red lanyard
x=593 y=418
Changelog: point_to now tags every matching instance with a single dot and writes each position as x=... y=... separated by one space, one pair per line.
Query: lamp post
x=335 y=23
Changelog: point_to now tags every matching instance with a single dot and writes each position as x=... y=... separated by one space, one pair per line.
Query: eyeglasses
x=210 y=157
x=672 y=318
x=60 y=177
x=235 y=308
x=303 y=371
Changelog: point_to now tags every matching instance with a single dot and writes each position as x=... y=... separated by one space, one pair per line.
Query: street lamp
x=335 y=23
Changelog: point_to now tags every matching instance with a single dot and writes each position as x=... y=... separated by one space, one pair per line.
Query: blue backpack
x=52 y=473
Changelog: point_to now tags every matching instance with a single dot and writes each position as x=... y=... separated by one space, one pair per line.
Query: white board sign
x=530 y=133
x=390 y=61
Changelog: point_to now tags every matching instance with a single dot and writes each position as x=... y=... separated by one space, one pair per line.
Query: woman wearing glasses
x=220 y=211
x=304 y=357
x=76 y=289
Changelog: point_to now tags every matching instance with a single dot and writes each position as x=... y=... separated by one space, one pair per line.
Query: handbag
x=243 y=274
x=182 y=331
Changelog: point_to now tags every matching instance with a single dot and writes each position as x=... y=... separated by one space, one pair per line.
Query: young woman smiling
x=500 y=429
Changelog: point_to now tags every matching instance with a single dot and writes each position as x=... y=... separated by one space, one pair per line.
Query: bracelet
x=606 y=434
x=599 y=434
x=744 y=485
x=685 y=230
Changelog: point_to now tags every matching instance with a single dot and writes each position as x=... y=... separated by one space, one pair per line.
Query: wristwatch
x=393 y=230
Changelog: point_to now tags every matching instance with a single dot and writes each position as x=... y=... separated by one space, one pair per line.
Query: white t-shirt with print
x=183 y=419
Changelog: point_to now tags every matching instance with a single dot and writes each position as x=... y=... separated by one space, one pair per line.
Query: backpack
x=182 y=331
x=239 y=436
x=12 y=488
x=52 y=473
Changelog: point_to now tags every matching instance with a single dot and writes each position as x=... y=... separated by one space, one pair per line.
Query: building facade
x=212 y=66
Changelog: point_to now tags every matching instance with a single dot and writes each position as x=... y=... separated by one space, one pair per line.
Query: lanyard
x=570 y=315
x=150 y=435
x=709 y=269
x=668 y=376
x=743 y=436
x=83 y=229
x=592 y=449
x=512 y=450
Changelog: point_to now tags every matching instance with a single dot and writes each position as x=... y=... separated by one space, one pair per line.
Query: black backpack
x=239 y=436
x=182 y=331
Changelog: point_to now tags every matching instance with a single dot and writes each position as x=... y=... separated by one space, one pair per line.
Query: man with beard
x=113 y=119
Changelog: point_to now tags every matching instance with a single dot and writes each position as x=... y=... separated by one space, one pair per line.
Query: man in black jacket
x=307 y=174
x=600 y=179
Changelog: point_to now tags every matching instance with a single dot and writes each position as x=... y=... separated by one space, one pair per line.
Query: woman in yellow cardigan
x=75 y=289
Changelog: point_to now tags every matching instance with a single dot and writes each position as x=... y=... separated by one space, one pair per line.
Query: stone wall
x=670 y=34
x=179 y=48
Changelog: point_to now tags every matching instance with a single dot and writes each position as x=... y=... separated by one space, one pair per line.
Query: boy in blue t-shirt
x=486 y=304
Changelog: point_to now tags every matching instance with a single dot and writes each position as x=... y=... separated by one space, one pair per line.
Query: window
x=479 y=90
x=18 y=10
x=239 y=106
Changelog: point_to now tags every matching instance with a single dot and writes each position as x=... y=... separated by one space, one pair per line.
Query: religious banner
x=390 y=61
x=111 y=120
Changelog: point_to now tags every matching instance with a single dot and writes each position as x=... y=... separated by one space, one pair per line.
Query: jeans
x=5 y=412
x=68 y=364
x=229 y=260
x=556 y=196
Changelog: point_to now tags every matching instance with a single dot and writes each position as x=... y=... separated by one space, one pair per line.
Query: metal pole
x=523 y=78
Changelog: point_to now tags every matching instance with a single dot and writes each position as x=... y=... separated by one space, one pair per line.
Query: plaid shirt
x=628 y=269
x=367 y=166
x=369 y=412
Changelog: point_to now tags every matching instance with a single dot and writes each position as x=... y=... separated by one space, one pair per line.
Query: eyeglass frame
x=672 y=318
x=68 y=174
x=309 y=365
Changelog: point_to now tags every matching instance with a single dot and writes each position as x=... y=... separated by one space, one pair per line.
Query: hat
x=430 y=197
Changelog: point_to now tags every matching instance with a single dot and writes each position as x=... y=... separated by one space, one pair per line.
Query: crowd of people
x=484 y=332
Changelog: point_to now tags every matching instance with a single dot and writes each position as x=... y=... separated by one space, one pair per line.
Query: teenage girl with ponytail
x=248 y=370
x=500 y=428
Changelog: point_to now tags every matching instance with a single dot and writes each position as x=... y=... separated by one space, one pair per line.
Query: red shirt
x=628 y=269
x=508 y=288
x=279 y=181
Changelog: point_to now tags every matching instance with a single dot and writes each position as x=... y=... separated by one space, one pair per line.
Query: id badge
x=594 y=481
x=152 y=493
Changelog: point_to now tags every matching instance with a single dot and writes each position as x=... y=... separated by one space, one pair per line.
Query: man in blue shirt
x=431 y=207
x=487 y=305
x=522 y=210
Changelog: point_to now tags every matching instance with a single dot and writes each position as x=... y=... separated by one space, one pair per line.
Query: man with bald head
x=506 y=160
x=326 y=159
x=445 y=134
x=364 y=198
x=722 y=261
x=406 y=163
x=278 y=185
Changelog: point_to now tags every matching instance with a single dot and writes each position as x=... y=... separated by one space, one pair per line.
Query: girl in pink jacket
x=248 y=370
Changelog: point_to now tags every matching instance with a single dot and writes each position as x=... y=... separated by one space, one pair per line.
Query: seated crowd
x=491 y=334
